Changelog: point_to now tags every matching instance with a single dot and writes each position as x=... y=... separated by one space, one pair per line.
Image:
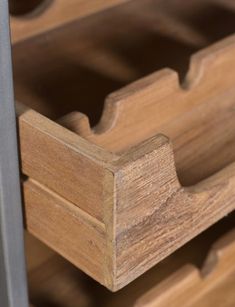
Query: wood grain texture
x=57 y=158
x=191 y=287
x=54 y=13
x=199 y=111
x=149 y=230
x=61 y=225
x=54 y=281
x=148 y=214
x=122 y=191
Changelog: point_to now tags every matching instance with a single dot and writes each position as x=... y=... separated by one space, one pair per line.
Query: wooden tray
x=117 y=198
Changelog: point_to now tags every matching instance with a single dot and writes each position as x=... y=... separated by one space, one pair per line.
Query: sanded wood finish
x=213 y=285
x=53 y=281
x=182 y=112
x=49 y=14
x=118 y=198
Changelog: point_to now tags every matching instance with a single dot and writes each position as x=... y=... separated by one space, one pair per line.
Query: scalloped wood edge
x=143 y=214
x=117 y=215
x=187 y=285
x=54 y=13
x=155 y=95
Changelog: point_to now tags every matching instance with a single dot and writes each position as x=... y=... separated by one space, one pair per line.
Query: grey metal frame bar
x=13 y=286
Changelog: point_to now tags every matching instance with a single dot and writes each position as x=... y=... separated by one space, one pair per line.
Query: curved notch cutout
x=198 y=117
x=197 y=112
x=92 y=60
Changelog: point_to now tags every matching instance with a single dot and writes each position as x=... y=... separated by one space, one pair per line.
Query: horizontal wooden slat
x=67 y=229
x=62 y=161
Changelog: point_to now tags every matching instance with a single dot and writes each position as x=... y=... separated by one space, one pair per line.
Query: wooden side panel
x=155 y=215
x=63 y=162
x=190 y=287
x=54 y=13
x=67 y=229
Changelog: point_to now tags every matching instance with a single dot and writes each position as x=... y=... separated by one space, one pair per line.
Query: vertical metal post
x=13 y=286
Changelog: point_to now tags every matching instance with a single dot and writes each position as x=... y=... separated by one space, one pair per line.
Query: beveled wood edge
x=217 y=264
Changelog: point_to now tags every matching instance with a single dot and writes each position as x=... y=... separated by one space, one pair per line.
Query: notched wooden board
x=146 y=217
x=111 y=200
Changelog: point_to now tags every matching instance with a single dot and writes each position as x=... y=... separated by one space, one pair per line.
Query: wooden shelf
x=118 y=197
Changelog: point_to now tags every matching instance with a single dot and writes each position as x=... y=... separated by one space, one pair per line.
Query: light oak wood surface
x=120 y=197
x=125 y=230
